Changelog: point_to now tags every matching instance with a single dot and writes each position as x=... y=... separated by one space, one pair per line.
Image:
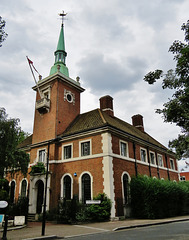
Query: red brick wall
x=67 y=112
x=61 y=113
x=120 y=166
x=94 y=166
x=44 y=124
x=18 y=177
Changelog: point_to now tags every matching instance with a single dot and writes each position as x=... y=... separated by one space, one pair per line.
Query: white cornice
x=61 y=77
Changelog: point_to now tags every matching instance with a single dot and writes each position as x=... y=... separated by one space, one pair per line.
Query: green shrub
x=4 y=189
x=38 y=168
x=20 y=208
x=67 y=210
x=70 y=211
x=100 y=212
x=95 y=212
x=152 y=198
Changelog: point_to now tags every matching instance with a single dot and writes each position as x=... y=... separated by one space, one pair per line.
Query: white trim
x=80 y=184
x=83 y=141
x=108 y=109
x=20 y=187
x=33 y=192
x=13 y=180
x=113 y=155
x=129 y=179
x=158 y=159
x=127 y=148
x=144 y=149
x=65 y=145
x=62 y=185
x=171 y=159
x=42 y=149
x=153 y=164
x=108 y=174
x=46 y=90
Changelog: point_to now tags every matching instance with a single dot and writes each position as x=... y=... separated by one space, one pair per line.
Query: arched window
x=23 y=188
x=67 y=187
x=12 y=191
x=86 y=187
x=125 y=188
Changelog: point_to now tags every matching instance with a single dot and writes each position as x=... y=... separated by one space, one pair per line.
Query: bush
x=95 y=212
x=100 y=212
x=4 y=190
x=152 y=198
x=67 y=210
x=38 y=168
x=70 y=211
x=20 y=208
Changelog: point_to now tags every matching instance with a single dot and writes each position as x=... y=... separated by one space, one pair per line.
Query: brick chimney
x=106 y=105
x=137 y=121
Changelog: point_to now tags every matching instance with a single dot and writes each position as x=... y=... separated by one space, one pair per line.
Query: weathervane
x=62 y=15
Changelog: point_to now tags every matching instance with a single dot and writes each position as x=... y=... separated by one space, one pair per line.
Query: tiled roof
x=86 y=121
x=26 y=142
x=97 y=119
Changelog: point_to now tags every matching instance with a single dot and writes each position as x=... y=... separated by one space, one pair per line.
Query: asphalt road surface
x=172 y=231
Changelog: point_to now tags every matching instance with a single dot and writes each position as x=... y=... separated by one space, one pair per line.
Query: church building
x=86 y=153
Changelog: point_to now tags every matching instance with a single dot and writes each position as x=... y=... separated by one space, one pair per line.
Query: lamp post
x=46 y=181
x=45 y=197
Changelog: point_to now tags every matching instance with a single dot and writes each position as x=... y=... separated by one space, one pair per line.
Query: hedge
x=153 y=198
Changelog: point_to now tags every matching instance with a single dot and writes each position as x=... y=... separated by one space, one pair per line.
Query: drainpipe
x=134 y=150
x=148 y=153
x=157 y=166
x=167 y=166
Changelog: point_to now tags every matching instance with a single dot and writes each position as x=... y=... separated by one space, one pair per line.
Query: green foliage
x=67 y=210
x=96 y=212
x=100 y=212
x=70 y=211
x=4 y=189
x=3 y=35
x=152 y=198
x=38 y=168
x=10 y=136
x=20 y=208
x=176 y=110
x=152 y=76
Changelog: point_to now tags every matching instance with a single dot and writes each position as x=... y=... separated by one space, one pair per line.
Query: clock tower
x=58 y=102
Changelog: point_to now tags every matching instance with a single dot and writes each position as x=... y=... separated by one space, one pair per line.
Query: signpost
x=4 y=204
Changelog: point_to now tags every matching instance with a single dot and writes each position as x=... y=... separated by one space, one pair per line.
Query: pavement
x=54 y=231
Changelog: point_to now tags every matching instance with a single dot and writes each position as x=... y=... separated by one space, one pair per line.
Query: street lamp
x=46 y=181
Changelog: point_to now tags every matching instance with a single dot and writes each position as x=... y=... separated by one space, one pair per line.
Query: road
x=171 y=231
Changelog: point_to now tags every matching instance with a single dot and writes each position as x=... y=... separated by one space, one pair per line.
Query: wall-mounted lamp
x=75 y=174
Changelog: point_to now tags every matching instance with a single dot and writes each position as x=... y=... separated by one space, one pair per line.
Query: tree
x=176 y=110
x=3 y=35
x=10 y=136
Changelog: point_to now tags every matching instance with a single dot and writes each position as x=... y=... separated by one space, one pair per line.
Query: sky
x=110 y=45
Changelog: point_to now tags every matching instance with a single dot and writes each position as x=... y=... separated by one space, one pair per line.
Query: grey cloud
x=156 y=13
x=110 y=76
